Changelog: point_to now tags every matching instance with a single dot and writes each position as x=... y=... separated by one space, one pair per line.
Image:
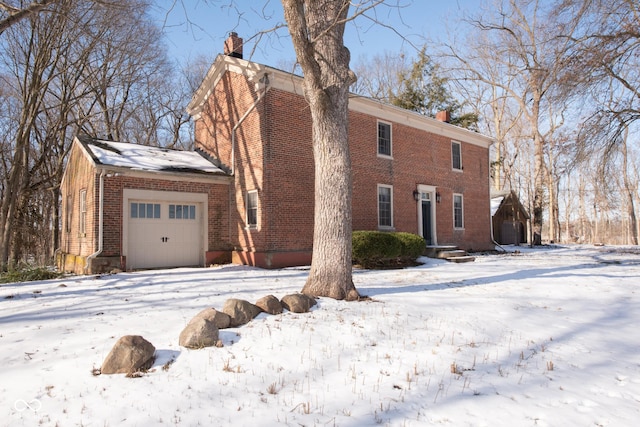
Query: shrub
x=377 y=249
x=28 y=273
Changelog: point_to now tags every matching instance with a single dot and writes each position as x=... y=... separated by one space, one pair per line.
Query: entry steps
x=449 y=253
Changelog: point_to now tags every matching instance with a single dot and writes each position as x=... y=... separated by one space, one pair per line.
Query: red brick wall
x=274 y=155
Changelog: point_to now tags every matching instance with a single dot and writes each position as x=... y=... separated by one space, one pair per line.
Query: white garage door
x=164 y=233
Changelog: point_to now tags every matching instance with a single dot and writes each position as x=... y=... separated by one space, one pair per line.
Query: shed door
x=164 y=234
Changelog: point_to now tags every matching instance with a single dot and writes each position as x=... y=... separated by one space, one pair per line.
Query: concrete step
x=451 y=254
x=461 y=259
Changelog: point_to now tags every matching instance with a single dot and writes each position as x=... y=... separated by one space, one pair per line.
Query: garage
x=164 y=229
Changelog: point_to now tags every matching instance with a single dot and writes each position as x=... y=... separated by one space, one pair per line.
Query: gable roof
x=265 y=77
x=498 y=198
x=145 y=158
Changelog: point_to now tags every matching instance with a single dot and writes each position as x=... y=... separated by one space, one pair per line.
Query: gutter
x=100 y=224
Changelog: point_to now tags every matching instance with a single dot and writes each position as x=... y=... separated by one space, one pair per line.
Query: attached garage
x=164 y=229
x=133 y=207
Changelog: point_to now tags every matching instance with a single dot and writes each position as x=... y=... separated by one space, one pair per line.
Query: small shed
x=509 y=219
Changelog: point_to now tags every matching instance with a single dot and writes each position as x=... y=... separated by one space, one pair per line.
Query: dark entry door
x=426 y=221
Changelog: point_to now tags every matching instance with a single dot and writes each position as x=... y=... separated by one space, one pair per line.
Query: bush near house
x=27 y=273
x=378 y=249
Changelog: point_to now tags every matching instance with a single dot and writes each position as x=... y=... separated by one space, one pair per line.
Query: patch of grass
x=28 y=273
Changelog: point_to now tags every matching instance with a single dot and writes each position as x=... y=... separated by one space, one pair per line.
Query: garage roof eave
x=170 y=175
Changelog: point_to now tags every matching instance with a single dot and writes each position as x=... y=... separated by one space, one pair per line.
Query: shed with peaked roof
x=509 y=219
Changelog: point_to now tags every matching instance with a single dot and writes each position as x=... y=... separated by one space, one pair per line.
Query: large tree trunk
x=317 y=30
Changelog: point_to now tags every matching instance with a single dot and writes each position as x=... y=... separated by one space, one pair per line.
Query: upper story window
x=384 y=139
x=456 y=155
x=458 y=212
x=385 y=206
x=252 y=209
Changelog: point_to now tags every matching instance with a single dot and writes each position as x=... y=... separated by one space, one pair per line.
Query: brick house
x=410 y=173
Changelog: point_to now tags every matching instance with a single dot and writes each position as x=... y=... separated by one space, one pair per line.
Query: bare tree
x=525 y=43
x=56 y=70
x=317 y=32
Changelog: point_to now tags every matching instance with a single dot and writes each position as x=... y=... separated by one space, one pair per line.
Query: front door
x=426 y=221
x=427 y=213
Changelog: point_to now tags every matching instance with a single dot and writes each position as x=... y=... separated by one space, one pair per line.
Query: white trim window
x=252 y=209
x=458 y=211
x=384 y=139
x=385 y=206
x=83 y=212
x=456 y=156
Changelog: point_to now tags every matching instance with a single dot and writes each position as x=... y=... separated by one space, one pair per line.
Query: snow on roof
x=142 y=157
x=495 y=204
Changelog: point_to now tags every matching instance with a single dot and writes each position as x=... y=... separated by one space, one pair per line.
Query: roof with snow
x=495 y=204
x=146 y=158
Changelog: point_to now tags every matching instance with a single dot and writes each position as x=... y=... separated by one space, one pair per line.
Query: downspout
x=265 y=80
x=100 y=223
x=493 y=240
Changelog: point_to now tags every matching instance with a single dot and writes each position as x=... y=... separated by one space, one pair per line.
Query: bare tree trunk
x=317 y=30
x=629 y=191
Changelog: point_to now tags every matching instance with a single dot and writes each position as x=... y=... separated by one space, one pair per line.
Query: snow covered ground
x=534 y=337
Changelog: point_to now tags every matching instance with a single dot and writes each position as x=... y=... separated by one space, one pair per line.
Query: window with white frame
x=83 y=212
x=252 y=209
x=384 y=139
x=458 y=211
x=385 y=206
x=182 y=212
x=145 y=210
x=69 y=210
x=456 y=155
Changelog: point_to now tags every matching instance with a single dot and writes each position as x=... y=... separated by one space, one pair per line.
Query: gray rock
x=298 y=303
x=219 y=319
x=270 y=304
x=199 y=333
x=130 y=354
x=240 y=311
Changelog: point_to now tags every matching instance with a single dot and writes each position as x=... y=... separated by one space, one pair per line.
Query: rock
x=199 y=333
x=240 y=311
x=270 y=304
x=219 y=319
x=130 y=354
x=298 y=303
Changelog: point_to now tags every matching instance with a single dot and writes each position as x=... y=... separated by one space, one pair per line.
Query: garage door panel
x=164 y=234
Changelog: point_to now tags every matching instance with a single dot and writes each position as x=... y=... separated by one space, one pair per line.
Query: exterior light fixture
x=416 y=195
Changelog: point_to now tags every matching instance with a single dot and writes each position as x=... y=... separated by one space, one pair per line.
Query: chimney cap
x=233 y=45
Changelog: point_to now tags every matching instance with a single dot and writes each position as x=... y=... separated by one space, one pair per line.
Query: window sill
x=384 y=156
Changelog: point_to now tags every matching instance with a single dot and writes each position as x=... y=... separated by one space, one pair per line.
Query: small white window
x=182 y=212
x=385 y=206
x=456 y=155
x=83 y=212
x=252 y=209
x=145 y=210
x=458 y=211
x=384 y=139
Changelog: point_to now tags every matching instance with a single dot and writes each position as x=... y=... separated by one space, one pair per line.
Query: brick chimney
x=233 y=46
x=443 y=116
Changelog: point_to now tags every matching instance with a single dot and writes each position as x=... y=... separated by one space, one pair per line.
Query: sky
x=533 y=337
x=200 y=27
